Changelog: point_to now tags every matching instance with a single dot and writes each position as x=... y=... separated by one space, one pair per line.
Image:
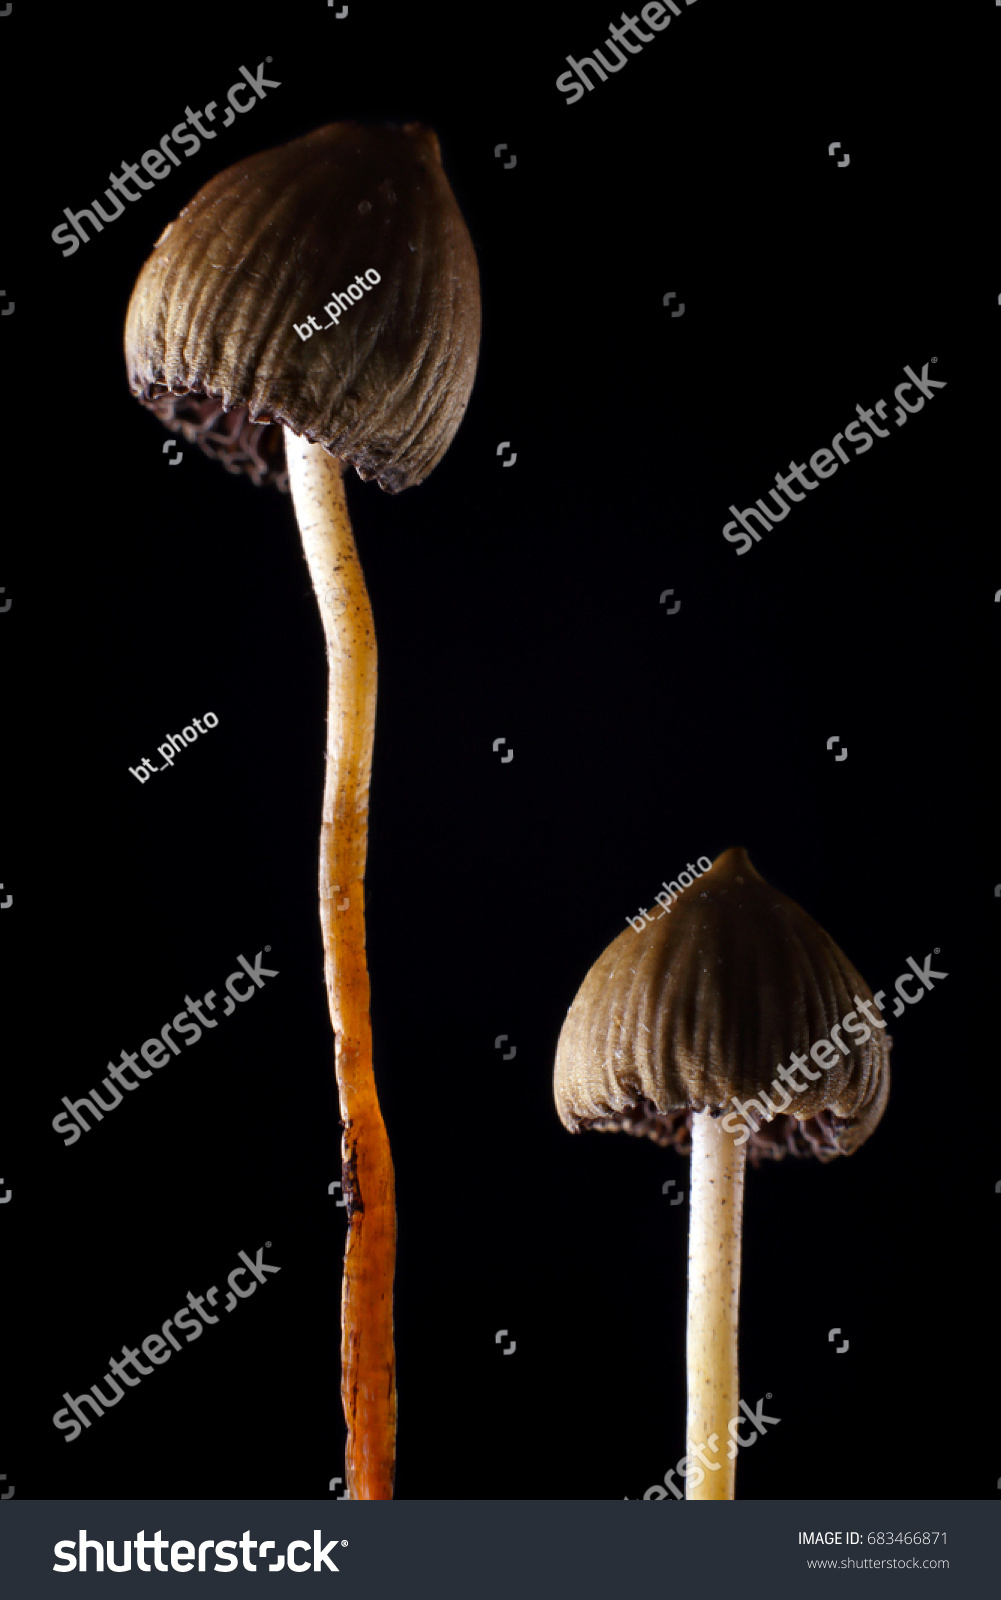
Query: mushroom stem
x=716 y=1213
x=368 y=1367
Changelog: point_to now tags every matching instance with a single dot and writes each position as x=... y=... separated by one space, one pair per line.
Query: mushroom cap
x=210 y=341
x=702 y=1007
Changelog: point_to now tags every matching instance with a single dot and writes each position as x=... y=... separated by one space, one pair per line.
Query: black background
x=521 y=603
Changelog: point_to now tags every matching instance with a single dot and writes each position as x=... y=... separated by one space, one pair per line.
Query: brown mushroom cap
x=703 y=1005
x=210 y=341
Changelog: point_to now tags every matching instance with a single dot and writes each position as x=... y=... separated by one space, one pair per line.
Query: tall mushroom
x=224 y=341
x=681 y=1033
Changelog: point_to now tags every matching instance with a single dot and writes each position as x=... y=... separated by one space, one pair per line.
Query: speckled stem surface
x=715 y=1220
x=368 y=1362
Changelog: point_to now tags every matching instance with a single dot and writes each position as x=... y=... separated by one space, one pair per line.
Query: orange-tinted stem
x=368 y=1361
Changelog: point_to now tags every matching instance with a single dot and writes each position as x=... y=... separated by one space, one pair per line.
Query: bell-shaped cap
x=211 y=342
x=699 y=1010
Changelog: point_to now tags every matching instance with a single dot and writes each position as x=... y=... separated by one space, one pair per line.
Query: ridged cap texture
x=703 y=1005
x=210 y=341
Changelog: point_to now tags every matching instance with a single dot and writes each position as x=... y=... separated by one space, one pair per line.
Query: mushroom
x=680 y=1033
x=223 y=341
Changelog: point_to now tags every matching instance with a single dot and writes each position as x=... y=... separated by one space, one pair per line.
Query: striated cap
x=699 y=1010
x=211 y=342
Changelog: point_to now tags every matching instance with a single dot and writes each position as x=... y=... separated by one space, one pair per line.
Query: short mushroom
x=223 y=341
x=680 y=1033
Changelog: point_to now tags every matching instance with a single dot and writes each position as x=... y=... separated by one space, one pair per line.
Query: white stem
x=716 y=1214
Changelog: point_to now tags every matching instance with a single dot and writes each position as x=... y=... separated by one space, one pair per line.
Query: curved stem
x=368 y=1363
x=715 y=1219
